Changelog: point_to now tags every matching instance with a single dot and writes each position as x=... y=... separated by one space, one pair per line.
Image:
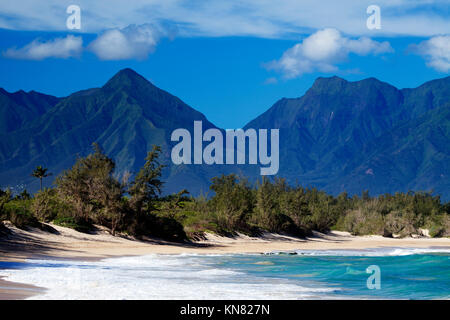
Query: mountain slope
x=413 y=156
x=339 y=136
x=126 y=117
x=19 y=108
x=329 y=136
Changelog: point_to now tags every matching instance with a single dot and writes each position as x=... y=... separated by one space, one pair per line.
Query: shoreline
x=67 y=243
x=10 y=290
x=21 y=245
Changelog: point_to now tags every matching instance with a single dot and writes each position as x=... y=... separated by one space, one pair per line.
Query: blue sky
x=231 y=63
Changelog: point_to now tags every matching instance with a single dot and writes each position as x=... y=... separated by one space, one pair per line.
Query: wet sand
x=17 y=291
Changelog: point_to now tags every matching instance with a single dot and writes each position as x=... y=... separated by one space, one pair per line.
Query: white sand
x=72 y=244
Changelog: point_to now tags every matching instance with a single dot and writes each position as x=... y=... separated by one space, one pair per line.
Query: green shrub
x=47 y=205
x=166 y=228
x=438 y=225
x=197 y=222
x=152 y=225
x=18 y=212
x=402 y=223
x=232 y=203
x=362 y=222
x=437 y=231
x=71 y=222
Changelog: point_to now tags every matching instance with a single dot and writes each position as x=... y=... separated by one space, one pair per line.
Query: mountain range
x=339 y=136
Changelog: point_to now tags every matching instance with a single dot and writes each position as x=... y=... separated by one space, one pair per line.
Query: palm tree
x=40 y=173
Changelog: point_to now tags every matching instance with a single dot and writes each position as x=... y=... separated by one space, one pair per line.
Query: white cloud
x=262 y=18
x=436 y=52
x=64 y=48
x=322 y=50
x=132 y=42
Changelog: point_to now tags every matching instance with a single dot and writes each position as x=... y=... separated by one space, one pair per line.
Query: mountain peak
x=328 y=83
x=332 y=78
x=128 y=72
x=126 y=78
x=371 y=81
x=335 y=84
x=329 y=80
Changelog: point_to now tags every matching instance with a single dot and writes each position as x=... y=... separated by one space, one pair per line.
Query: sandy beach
x=17 y=291
x=66 y=243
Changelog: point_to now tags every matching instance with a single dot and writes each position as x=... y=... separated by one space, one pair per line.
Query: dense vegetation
x=90 y=193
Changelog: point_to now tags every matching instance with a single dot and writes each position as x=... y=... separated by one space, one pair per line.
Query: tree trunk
x=113 y=228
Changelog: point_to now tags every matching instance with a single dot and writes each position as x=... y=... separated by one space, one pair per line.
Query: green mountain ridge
x=126 y=117
x=332 y=133
x=339 y=136
x=20 y=108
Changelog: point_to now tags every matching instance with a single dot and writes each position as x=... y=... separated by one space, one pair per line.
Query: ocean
x=387 y=273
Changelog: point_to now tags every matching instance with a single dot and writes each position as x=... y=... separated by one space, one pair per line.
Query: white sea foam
x=176 y=277
x=376 y=252
x=152 y=277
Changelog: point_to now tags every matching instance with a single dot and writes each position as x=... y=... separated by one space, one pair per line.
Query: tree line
x=90 y=193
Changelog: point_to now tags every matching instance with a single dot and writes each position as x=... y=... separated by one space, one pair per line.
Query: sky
x=231 y=60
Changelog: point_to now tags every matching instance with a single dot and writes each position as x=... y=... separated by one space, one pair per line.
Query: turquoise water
x=416 y=276
x=332 y=274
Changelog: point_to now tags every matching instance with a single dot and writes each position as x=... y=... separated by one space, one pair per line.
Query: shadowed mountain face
x=352 y=136
x=19 y=108
x=340 y=136
x=126 y=117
